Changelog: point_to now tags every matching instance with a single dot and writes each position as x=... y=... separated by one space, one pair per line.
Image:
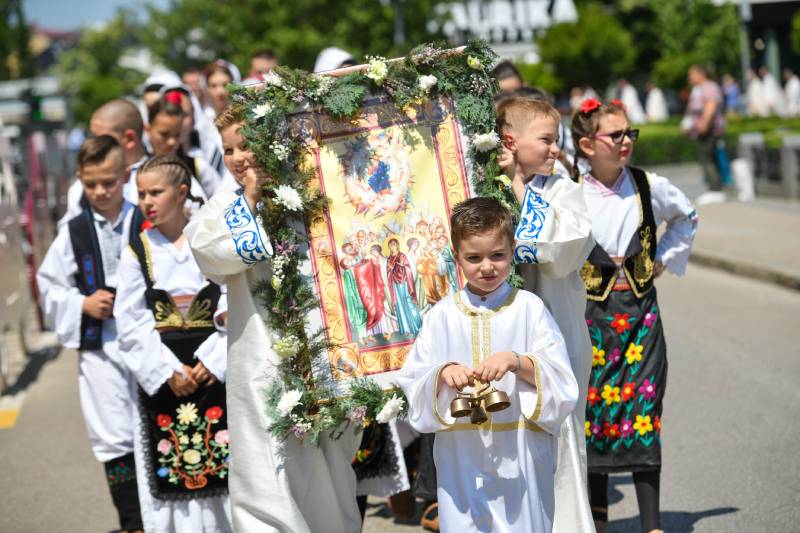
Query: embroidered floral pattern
x=190 y=452
x=531 y=222
x=119 y=472
x=247 y=236
x=621 y=402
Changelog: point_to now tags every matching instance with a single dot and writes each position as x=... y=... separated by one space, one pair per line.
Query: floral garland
x=298 y=402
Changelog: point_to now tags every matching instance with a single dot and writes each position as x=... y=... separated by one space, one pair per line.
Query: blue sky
x=70 y=14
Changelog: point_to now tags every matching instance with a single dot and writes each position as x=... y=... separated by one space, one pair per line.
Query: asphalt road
x=731 y=425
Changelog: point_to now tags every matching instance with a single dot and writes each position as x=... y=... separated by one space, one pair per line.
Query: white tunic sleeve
x=555 y=391
x=213 y=352
x=554 y=230
x=62 y=303
x=429 y=408
x=670 y=205
x=150 y=361
x=225 y=237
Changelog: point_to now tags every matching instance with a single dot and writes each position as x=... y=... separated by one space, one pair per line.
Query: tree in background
x=199 y=31
x=594 y=50
x=15 y=55
x=796 y=33
x=695 y=32
x=91 y=73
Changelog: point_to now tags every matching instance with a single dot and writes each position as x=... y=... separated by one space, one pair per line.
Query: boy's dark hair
x=506 y=69
x=480 y=215
x=96 y=150
x=264 y=53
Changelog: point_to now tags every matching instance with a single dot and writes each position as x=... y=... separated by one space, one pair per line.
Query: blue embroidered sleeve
x=532 y=216
x=251 y=243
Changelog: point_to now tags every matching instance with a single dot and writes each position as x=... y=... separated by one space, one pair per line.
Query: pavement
x=730 y=420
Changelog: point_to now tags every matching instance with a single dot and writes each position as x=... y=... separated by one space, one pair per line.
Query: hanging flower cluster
x=299 y=401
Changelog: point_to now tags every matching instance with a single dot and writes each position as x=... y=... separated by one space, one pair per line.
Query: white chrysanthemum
x=260 y=110
x=289 y=401
x=273 y=78
x=287 y=347
x=187 y=413
x=289 y=198
x=377 y=69
x=390 y=410
x=483 y=142
x=426 y=82
x=280 y=151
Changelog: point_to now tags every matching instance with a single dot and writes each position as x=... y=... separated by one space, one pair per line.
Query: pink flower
x=649 y=319
x=615 y=356
x=164 y=446
x=648 y=389
x=221 y=437
x=626 y=427
x=588 y=322
x=597 y=430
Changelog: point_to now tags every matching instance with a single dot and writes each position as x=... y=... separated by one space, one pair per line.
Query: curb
x=789 y=280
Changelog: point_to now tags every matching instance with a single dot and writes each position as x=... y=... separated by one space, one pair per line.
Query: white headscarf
x=331 y=58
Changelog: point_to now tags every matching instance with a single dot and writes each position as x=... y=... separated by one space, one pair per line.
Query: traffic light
x=34 y=102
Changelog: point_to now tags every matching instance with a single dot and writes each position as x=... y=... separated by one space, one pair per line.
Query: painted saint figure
x=372 y=290
x=356 y=313
x=402 y=290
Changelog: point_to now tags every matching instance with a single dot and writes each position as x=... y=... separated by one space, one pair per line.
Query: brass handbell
x=478 y=415
x=460 y=406
x=496 y=400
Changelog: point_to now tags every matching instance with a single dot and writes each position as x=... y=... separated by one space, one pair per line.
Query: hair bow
x=173 y=97
x=616 y=102
x=590 y=104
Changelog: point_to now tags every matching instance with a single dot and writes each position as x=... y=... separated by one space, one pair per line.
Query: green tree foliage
x=796 y=33
x=91 y=73
x=594 y=50
x=695 y=32
x=198 y=31
x=15 y=56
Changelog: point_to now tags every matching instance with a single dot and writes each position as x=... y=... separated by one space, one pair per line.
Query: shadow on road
x=33 y=366
x=672 y=521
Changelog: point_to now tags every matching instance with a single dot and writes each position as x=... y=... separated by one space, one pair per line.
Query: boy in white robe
x=498 y=475
x=553 y=239
x=273 y=486
x=77 y=280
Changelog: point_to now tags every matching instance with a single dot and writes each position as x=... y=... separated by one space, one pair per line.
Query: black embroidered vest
x=171 y=324
x=91 y=276
x=599 y=272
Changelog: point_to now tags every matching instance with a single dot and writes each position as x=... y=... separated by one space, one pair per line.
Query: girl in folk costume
x=629 y=364
x=172 y=336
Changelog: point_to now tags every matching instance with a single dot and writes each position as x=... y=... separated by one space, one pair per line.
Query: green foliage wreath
x=298 y=402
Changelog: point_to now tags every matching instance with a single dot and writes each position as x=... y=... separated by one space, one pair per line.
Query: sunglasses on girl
x=617 y=136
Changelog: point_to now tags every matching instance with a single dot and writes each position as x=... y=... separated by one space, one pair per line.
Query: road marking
x=10 y=406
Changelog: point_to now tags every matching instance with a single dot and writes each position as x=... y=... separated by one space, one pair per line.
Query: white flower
x=260 y=110
x=287 y=347
x=289 y=401
x=273 y=78
x=280 y=151
x=187 y=413
x=426 y=82
x=324 y=84
x=289 y=198
x=483 y=142
x=390 y=410
x=377 y=69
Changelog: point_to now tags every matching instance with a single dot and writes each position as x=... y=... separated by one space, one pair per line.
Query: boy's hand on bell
x=495 y=366
x=456 y=376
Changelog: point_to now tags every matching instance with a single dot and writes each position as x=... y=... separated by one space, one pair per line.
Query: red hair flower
x=616 y=102
x=173 y=97
x=590 y=104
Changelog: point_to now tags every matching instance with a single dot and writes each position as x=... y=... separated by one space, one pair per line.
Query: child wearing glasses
x=629 y=354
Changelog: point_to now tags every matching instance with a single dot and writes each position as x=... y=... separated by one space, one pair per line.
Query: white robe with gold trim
x=274 y=487
x=554 y=238
x=498 y=476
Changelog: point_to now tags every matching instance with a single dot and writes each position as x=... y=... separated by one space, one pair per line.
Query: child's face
x=159 y=200
x=485 y=259
x=238 y=159
x=601 y=150
x=165 y=134
x=536 y=146
x=216 y=89
x=102 y=183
